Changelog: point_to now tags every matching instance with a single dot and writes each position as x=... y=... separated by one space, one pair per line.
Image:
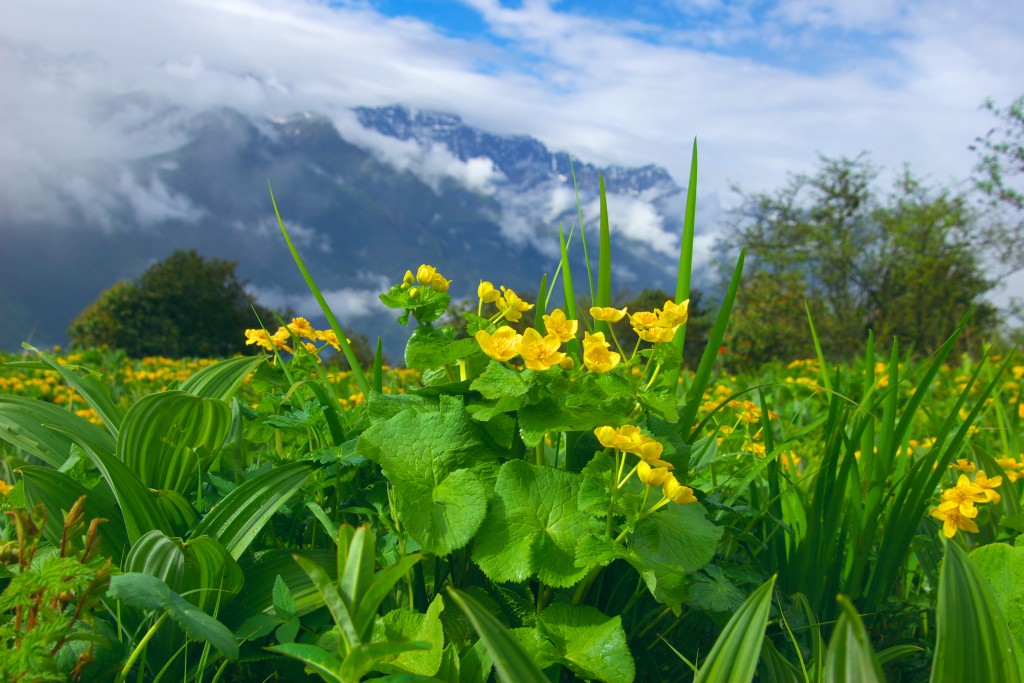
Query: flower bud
x=425 y=273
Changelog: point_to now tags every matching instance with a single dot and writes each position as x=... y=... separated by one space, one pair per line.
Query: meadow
x=518 y=504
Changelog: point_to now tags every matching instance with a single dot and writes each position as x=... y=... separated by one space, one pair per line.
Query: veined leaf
x=1002 y=566
x=261 y=571
x=533 y=526
x=405 y=625
x=237 y=518
x=441 y=470
x=733 y=658
x=25 y=424
x=140 y=511
x=850 y=655
x=161 y=433
x=94 y=393
x=326 y=665
x=973 y=642
x=58 y=492
x=222 y=379
x=590 y=643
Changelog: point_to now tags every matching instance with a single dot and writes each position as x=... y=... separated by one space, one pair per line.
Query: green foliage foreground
x=541 y=505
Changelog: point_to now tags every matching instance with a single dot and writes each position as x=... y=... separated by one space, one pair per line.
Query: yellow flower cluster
x=426 y=276
x=651 y=470
x=298 y=328
x=509 y=304
x=537 y=352
x=1012 y=468
x=957 y=508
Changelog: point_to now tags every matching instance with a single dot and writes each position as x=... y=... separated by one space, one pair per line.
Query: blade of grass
x=685 y=269
x=604 y=260
x=346 y=348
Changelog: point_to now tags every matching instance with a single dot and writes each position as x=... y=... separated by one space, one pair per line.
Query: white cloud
x=590 y=86
x=347 y=303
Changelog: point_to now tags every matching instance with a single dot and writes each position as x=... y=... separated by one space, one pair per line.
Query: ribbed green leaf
x=972 y=640
x=58 y=492
x=150 y=593
x=322 y=662
x=199 y=569
x=92 y=390
x=24 y=424
x=221 y=380
x=239 y=517
x=510 y=659
x=261 y=571
x=355 y=563
x=685 y=267
x=140 y=511
x=383 y=582
x=162 y=432
x=573 y=347
x=733 y=658
x=850 y=655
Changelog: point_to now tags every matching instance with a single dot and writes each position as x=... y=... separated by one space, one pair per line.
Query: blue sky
x=765 y=85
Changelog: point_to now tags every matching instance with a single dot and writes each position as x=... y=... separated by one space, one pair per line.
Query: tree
x=908 y=264
x=184 y=305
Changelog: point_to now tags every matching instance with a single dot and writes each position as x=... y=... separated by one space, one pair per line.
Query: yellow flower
x=567 y=363
x=425 y=274
x=281 y=338
x=557 y=324
x=963 y=496
x=511 y=305
x=964 y=465
x=540 y=353
x=652 y=476
x=676 y=492
x=650 y=450
x=607 y=436
x=1007 y=463
x=596 y=355
x=987 y=484
x=300 y=327
x=439 y=284
x=674 y=314
x=408 y=280
x=952 y=520
x=607 y=314
x=331 y=338
x=5 y=488
x=656 y=334
x=487 y=293
x=503 y=345
x=643 y=319
x=260 y=338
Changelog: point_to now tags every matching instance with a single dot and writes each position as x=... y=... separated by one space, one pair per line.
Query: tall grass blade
x=510 y=659
x=346 y=348
x=604 y=260
x=94 y=393
x=707 y=360
x=686 y=252
x=733 y=658
x=570 y=294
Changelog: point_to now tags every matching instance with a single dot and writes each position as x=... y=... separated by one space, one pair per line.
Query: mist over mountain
x=366 y=195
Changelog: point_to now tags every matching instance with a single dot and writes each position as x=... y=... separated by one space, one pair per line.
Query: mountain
x=366 y=196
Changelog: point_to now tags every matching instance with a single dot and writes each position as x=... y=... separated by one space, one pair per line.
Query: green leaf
x=240 y=515
x=670 y=543
x=339 y=607
x=58 y=492
x=403 y=625
x=1002 y=567
x=511 y=661
x=533 y=526
x=322 y=662
x=284 y=601
x=501 y=381
x=261 y=571
x=712 y=591
x=162 y=432
x=973 y=642
x=199 y=569
x=733 y=657
x=222 y=379
x=441 y=471
x=139 y=510
x=91 y=389
x=25 y=423
x=585 y=406
x=147 y=592
x=850 y=655
x=588 y=642
x=429 y=347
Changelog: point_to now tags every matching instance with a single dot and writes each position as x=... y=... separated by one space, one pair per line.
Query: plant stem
x=141 y=646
